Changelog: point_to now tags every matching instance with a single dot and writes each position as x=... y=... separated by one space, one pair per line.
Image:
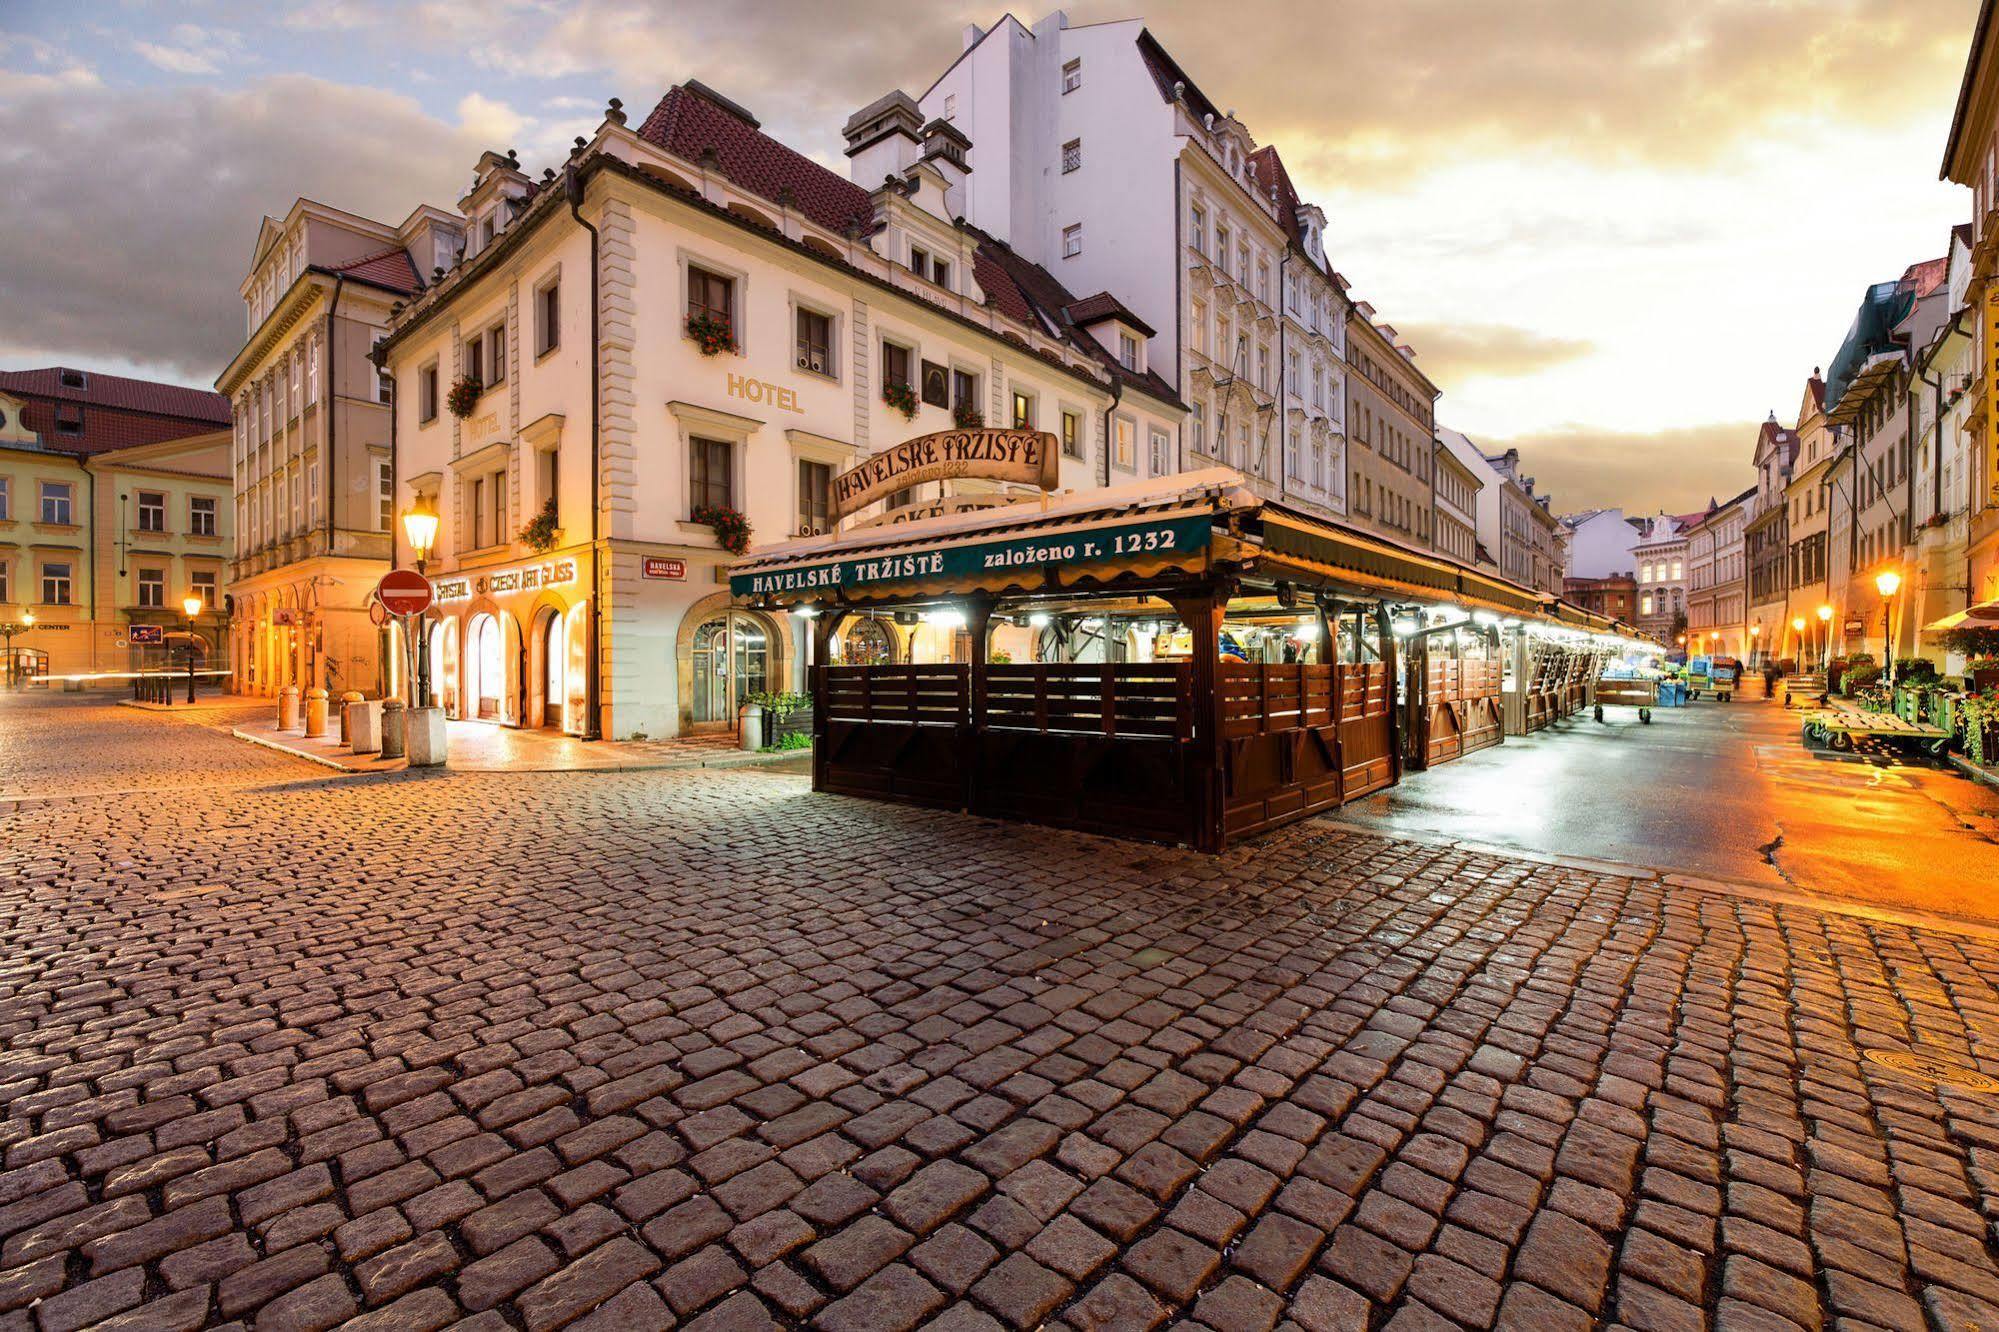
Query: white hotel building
x=1094 y=155
x=615 y=618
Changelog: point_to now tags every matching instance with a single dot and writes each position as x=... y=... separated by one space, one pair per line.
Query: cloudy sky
x=1618 y=232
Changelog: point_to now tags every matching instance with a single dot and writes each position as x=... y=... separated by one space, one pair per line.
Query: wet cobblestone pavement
x=633 y=1050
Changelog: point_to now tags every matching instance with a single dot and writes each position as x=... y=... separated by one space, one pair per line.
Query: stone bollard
x=347 y=700
x=426 y=737
x=315 y=713
x=752 y=727
x=288 y=708
x=362 y=724
x=395 y=728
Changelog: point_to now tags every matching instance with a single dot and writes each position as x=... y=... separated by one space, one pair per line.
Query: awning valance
x=1984 y=615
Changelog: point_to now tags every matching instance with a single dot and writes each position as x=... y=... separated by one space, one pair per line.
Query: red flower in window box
x=967 y=416
x=732 y=530
x=901 y=397
x=713 y=335
x=463 y=399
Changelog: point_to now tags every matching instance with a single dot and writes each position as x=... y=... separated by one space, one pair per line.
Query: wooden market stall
x=1164 y=737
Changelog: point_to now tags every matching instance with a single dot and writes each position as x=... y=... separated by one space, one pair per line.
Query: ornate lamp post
x=192 y=604
x=1886 y=582
x=7 y=631
x=420 y=527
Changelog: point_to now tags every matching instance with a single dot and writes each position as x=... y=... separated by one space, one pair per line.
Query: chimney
x=883 y=139
x=972 y=34
x=946 y=148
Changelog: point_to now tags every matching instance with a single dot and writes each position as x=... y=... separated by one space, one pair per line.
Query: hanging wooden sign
x=1025 y=457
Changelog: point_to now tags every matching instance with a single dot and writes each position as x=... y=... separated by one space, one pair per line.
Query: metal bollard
x=351 y=696
x=315 y=713
x=395 y=729
x=288 y=708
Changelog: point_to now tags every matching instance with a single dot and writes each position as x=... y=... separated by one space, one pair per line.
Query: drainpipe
x=1110 y=428
x=1283 y=382
x=572 y=189
x=376 y=358
x=332 y=399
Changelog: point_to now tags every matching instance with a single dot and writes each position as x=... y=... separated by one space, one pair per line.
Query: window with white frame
x=1127 y=351
x=152 y=511
x=1125 y=450
x=1197 y=319
x=56 y=583
x=1162 y=448
x=1072 y=76
x=1072 y=435
x=312 y=371
x=1072 y=240
x=1197 y=421
x=152 y=587
x=58 y=499
x=201 y=515
x=1197 y=228
x=711 y=296
x=1072 y=156
x=385 y=495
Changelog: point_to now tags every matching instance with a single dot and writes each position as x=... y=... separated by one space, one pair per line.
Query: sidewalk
x=483 y=747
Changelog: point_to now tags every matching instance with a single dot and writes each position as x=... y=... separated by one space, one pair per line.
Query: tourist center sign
x=1139 y=540
x=1025 y=457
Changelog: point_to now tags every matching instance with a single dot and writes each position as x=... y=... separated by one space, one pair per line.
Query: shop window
x=710 y=476
x=815 y=498
x=815 y=342
x=152 y=511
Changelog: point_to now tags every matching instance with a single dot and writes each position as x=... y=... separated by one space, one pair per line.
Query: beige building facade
x=1391 y=433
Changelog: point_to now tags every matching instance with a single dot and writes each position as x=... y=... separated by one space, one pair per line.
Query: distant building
x=1528 y=551
x=1717 y=586
x=1454 y=528
x=114 y=507
x=1661 y=555
x=1600 y=542
x=1766 y=545
x=1615 y=595
x=1971 y=158
x=1471 y=458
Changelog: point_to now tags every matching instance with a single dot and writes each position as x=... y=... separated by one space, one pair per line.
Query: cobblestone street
x=652 y=1049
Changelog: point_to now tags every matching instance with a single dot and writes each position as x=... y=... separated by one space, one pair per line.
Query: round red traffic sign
x=405 y=592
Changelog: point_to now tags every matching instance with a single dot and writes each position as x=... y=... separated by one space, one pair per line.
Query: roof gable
x=690 y=125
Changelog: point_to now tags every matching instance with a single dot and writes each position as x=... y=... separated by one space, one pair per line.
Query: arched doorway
x=485 y=668
x=731 y=655
x=554 y=670
x=866 y=642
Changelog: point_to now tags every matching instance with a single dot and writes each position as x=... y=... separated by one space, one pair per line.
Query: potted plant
x=541 y=533
x=1984 y=674
x=464 y=396
x=787 y=719
x=1981 y=645
x=967 y=416
x=711 y=333
x=901 y=397
x=1858 y=675
x=732 y=530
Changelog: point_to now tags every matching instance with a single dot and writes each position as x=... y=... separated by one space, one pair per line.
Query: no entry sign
x=404 y=592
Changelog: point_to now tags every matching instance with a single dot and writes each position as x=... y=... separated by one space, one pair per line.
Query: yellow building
x=114 y=507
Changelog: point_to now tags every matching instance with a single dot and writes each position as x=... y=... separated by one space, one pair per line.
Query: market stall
x=1242 y=672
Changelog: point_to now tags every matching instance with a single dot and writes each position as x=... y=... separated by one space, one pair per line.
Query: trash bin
x=752 y=728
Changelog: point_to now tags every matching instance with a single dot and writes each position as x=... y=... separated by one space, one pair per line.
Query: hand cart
x=1628 y=693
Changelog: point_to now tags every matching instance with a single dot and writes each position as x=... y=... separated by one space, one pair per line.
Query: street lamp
x=420 y=527
x=7 y=631
x=1886 y=582
x=1825 y=629
x=192 y=604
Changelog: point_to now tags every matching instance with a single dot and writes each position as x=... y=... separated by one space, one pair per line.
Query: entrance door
x=555 y=676
x=489 y=675
x=731 y=662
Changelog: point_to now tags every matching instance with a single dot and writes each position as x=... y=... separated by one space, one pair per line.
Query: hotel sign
x=1025 y=457
x=1185 y=534
x=502 y=582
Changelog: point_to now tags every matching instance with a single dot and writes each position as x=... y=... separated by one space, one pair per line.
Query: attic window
x=69 y=415
x=75 y=379
x=1072 y=76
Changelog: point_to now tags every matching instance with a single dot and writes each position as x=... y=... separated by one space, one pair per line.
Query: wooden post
x=823 y=626
x=1201 y=612
x=1384 y=627
x=978 y=623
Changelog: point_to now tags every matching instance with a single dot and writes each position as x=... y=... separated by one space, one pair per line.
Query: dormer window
x=486 y=231
x=919 y=261
x=75 y=379
x=1127 y=352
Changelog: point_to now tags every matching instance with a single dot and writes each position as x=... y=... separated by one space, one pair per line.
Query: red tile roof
x=391 y=268
x=1166 y=72
x=1927 y=276
x=118 y=412
x=1102 y=306
x=688 y=125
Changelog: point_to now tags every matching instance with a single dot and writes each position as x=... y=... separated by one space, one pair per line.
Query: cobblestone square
x=640 y=1050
